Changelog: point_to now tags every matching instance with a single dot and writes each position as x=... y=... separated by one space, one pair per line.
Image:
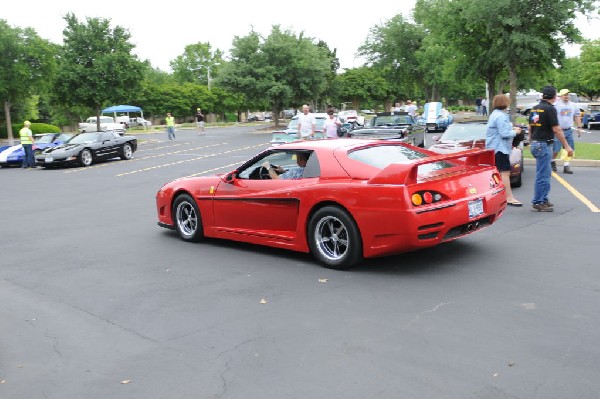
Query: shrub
x=36 y=128
x=230 y=117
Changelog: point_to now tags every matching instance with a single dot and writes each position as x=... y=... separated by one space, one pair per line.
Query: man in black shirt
x=543 y=130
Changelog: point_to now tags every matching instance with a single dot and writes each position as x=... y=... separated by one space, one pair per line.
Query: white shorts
x=200 y=124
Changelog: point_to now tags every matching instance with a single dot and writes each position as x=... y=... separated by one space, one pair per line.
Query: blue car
x=436 y=118
x=13 y=155
x=591 y=118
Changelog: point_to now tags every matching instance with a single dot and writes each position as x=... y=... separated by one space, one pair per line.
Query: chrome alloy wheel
x=187 y=219
x=331 y=237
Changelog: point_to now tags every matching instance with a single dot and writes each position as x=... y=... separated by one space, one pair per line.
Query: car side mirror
x=229 y=178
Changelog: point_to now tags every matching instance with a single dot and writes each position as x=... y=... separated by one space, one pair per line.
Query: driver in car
x=295 y=172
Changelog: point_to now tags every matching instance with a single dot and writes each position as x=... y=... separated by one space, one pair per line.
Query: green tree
x=196 y=63
x=392 y=48
x=362 y=87
x=157 y=76
x=281 y=70
x=26 y=65
x=97 y=66
x=505 y=35
x=330 y=88
x=590 y=65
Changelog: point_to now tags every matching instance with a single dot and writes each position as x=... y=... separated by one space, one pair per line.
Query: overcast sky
x=161 y=30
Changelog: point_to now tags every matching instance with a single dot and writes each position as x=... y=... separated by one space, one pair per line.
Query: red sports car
x=342 y=200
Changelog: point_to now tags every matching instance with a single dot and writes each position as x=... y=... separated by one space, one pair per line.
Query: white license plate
x=48 y=159
x=475 y=208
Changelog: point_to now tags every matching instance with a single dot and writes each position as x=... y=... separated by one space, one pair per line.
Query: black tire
x=334 y=238
x=126 y=151
x=187 y=219
x=86 y=158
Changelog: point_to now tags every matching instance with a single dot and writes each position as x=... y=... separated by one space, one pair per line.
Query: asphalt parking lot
x=97 y=301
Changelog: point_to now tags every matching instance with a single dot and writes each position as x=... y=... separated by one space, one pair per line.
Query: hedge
x=36 y=128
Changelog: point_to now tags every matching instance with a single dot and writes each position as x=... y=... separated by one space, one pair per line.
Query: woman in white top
x=331 y=124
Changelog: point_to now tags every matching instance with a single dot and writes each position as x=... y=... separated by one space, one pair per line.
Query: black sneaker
x=567 y=170
x=554 y=168
x=543 y=208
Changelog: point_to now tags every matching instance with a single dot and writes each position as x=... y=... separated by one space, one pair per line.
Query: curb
x=573 y=162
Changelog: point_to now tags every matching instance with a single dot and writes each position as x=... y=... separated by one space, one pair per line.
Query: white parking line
x=189 y=160
x=102 y=165
x=576 y=193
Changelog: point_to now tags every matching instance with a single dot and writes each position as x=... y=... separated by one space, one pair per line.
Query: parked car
x=255 y=118
x=288 y=113
x=290 y=133
x=13 y=155
x=591 y=118
x=106 y=123
x=463 y=136
x=436 y=117
x=352 y=117
x=393 y=126
x=138 y=121
x=525 y=103
x=356 y=199
x=87 y=148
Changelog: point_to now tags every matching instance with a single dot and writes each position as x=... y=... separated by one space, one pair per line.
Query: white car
x=139 y=121
x=351 y=116
x=106 y=123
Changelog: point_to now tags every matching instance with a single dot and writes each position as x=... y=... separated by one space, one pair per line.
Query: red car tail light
x=495 y=180
x=425 y=197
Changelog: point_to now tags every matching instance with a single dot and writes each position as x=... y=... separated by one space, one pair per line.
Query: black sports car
x=87 y=148
x=392 y=126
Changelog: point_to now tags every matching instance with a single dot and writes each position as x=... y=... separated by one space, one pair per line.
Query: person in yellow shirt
x=170 y=126
x=26 y=137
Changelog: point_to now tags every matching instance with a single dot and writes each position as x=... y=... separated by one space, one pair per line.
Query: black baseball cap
x=548 y=92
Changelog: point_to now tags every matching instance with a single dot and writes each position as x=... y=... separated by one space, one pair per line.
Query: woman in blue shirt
x=499 y=136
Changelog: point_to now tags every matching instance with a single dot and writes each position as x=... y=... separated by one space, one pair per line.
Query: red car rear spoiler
x=406 y=173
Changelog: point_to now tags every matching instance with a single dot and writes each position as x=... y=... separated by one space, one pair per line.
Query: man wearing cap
x=568 y=113
x=544 y=129
x=26 y=137
x=200 y=121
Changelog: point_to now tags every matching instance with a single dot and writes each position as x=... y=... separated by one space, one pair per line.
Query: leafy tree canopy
x=196 y=63
x=26 y=61
x=97 y=67
x=391 y=47
x=281 y=70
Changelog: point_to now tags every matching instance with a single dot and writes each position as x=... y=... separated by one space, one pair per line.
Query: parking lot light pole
x=208 y=79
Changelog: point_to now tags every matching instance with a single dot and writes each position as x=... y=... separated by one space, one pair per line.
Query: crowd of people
x=551 y=124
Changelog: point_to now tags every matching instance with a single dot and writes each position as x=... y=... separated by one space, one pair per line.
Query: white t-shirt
x=306 y=124
x=330 y=127
x=412 y=110
x=567 y=111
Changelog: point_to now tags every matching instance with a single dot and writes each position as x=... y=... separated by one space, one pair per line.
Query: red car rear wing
x=406 y=173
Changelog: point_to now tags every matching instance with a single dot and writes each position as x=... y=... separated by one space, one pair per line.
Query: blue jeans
x=542 y=153
x=171 y=132
x=28 y=160
x=569 y=136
